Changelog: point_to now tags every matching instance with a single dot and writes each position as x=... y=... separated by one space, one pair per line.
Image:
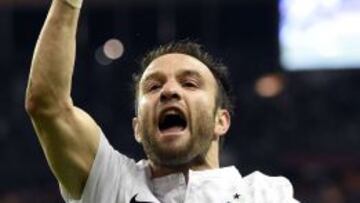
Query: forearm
x=53 y=61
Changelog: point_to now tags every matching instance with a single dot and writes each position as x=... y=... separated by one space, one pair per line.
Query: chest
x=198 y=189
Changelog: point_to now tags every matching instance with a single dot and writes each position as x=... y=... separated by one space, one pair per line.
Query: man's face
x=176 y=110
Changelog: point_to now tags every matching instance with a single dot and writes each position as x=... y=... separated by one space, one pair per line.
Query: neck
x=209 y=161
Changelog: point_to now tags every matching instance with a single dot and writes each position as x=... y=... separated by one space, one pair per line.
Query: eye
x=154 y=87
x=151 y=86
x=189 y=83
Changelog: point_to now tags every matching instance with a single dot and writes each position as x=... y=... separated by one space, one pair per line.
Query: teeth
x=171 y=112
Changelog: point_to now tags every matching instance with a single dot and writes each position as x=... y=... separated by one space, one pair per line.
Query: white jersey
x=114 y=178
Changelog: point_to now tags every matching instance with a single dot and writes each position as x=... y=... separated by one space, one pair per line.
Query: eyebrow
x=159 y=76
x=184 y=73
x=190 y=73
x=154 y=76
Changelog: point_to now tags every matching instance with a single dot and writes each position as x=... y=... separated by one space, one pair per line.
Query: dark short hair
x=224 y=97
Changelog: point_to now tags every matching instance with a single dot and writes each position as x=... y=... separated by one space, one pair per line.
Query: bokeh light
x=270 y=85
x=113 y=49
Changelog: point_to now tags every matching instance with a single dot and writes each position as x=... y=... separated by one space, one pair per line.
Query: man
x=183 y=108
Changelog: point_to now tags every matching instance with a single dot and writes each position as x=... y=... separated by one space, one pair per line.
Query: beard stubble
x=194 y=149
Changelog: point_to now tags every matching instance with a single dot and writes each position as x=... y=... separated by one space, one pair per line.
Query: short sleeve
x=103 y=182
x=267 y=189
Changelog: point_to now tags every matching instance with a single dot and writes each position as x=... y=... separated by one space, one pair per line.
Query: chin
x=174 y=154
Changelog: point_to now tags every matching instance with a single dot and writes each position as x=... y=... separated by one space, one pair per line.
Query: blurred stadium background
x=304 y=125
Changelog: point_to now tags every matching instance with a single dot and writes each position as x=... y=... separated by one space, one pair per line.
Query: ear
x=136 y=128
x=222 y=123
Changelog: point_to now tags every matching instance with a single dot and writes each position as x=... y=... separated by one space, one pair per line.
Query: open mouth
x=172 y=121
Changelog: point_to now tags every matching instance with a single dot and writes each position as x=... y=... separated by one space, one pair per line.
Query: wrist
x=74 y=3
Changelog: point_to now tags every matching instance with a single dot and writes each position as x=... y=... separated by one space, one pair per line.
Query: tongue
x=172 y=129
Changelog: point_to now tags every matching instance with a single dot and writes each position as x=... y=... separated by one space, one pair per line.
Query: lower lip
x=172 y=132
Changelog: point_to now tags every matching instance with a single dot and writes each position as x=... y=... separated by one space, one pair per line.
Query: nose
x=170 y=92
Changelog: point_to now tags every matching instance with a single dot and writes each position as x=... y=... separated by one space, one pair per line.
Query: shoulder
x=260 y=179
x=270 y=188
x=110 y=175
x=108 y=160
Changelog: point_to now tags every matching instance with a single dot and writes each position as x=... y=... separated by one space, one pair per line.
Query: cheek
x=206 y=101
x=202 y=107
x=144 y=105
x=145 y=110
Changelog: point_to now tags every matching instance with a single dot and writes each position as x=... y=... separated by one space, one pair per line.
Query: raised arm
x=68 y=136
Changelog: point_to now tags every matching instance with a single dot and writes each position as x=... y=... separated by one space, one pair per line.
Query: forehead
x=177 y=63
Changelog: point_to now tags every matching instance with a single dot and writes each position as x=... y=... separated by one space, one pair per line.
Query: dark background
x=309 y=132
